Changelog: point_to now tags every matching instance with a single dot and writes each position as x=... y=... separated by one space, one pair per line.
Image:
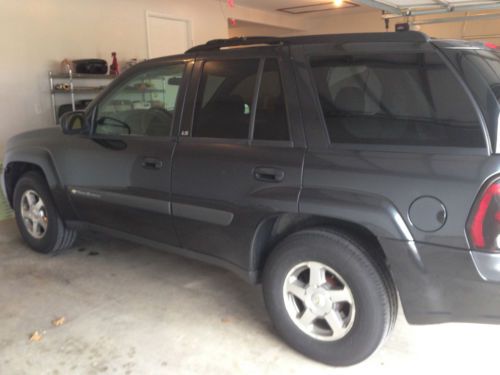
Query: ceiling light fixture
x=319 y=7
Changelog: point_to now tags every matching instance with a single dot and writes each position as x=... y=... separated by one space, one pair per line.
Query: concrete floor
x=134 y=310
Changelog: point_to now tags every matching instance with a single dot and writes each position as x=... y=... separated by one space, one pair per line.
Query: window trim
x=483 y=150
x=255 y=97
x=255 y=100
x=179 y=104
x=286 y=100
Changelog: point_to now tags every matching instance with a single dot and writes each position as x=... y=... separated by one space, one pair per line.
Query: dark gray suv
x=339 y=171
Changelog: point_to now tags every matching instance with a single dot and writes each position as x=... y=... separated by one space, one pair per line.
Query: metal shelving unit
x=72 y=90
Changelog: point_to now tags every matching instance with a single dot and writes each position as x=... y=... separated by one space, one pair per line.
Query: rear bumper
x=487 y=265
x=437 y=284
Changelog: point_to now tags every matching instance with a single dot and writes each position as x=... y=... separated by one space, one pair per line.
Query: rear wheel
x=37 y=218
x=328 y=297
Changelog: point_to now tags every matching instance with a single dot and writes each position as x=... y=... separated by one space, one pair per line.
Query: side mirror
x=73 y=122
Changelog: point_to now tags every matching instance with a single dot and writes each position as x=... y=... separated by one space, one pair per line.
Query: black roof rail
x=402 y=37
x=217 y=44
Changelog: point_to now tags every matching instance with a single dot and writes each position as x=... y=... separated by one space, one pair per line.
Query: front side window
x=396 y=99
x=142 y=106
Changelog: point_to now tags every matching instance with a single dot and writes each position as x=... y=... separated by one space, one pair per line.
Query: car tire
x=37 y=218
x=351 y=291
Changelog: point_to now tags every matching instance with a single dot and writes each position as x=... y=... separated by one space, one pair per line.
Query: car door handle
x=151 y=163
x=268 y=174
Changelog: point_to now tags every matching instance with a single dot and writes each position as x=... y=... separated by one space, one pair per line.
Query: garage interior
x=130 y=309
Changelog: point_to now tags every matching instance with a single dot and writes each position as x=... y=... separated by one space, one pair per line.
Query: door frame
x=150 y=14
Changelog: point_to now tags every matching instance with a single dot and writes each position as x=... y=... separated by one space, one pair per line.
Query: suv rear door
x=239 y=159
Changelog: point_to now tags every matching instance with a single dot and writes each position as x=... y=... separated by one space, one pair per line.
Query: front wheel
x=328 y=298
x=37 y=218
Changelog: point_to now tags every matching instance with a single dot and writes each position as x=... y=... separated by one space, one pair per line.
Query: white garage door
x=167 y=36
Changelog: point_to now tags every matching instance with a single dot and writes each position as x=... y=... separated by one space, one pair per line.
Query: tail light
x=484 y=223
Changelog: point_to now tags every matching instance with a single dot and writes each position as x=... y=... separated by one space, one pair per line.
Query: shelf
x=83 y=76
x=79 y=90
x=89 y=90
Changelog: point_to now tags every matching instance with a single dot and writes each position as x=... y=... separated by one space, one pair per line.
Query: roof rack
x=217 y=44
x=402 y=37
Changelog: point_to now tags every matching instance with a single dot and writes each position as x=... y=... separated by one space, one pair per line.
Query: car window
x=225 y=97
x=143 y=105
x=488 y=63
x=395 y=99
x=271 y=119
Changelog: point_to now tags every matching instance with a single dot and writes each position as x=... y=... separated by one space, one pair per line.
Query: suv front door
x=122 y=179
x=238 y=161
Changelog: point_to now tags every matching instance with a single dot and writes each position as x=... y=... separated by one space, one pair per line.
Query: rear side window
x=488 y=63
x=225 y=97
x=396 y=99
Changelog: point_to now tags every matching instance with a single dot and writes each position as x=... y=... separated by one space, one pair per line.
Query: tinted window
x=488 y=63
x=405 y=99
x=143 y=105
x=225 y=98
x=480 y=69
x=271 y=119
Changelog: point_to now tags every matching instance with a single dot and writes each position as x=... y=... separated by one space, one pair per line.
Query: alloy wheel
x=319 y=301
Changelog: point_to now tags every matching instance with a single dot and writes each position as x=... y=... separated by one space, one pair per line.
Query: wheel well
x=13 y=172
x=273 y=230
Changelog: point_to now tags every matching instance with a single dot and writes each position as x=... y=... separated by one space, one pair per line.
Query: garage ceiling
x=392 y=7
x=276 y=4
x=301 y=7
x=422 y=7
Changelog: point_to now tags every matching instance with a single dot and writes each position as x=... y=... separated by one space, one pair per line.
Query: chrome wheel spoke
x=33 y=226
x=307 y=318
x=29 y=224
x=340 y=295
x=296 y=289
x=37 y=227
x=31 y=199
x=25 y=212
x=42 y=223
x=316 y=274
x=39 y=205
x=336 y=324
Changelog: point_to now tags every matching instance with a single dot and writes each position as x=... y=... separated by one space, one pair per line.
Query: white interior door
x=166 y=35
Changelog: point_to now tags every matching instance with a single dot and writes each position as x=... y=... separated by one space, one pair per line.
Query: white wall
x=36 y=35
x=344 y=22
x=244 y=28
